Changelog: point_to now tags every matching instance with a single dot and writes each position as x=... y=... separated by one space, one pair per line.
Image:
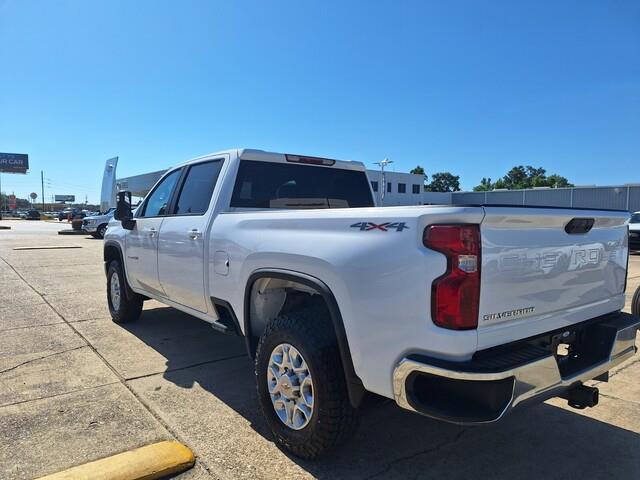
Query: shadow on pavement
x=543 y=441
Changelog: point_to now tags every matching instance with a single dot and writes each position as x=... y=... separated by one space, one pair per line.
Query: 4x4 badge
x=385 y=227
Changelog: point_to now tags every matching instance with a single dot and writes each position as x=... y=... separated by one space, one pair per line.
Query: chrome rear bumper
x=515 y=380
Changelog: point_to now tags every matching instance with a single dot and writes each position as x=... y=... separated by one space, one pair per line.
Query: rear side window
x=289 y=186
x=197 y=188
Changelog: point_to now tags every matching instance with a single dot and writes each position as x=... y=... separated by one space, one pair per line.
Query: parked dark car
x=33 y=215
x=71 y=213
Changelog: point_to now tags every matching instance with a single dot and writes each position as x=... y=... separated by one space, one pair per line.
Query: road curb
x=145 y=463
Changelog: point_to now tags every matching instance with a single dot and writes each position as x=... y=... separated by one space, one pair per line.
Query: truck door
x=142 y=241
x=182 y=249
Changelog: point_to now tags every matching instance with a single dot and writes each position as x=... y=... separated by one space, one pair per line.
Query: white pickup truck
x=460 y=313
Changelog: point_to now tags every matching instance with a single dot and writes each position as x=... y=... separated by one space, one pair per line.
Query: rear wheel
x=635 y=303
x=301 y=386
x=124 y=304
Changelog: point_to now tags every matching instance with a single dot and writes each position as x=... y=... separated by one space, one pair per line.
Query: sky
x=469 y=87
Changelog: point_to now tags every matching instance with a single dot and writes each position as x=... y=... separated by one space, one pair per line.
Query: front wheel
x=301 y=385
x=100 y=232
x=124 y=305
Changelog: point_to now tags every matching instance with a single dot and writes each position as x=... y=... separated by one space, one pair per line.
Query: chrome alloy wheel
x=114 y=290
x=290 y=386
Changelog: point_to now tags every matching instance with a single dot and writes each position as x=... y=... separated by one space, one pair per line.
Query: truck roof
x=264 y=156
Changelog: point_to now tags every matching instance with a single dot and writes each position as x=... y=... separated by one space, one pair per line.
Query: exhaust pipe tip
x=582 y=396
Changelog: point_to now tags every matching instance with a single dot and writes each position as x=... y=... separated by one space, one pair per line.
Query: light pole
x=42 y=185
x=383 y=163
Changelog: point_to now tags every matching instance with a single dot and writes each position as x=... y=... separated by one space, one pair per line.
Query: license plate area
x=580 y=349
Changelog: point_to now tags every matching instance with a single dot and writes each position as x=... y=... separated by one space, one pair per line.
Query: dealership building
x=620 y=197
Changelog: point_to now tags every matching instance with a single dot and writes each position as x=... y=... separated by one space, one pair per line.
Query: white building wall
x=393 y=190
x=437 y=198
x=139 y=185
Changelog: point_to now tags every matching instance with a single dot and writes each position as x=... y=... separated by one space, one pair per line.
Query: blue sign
x=14 y=162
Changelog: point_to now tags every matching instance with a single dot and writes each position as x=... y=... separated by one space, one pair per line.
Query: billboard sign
x=65 y=198
x=14 y=162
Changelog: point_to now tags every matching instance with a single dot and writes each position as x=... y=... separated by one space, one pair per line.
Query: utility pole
x=42 y=186
x=383 y=163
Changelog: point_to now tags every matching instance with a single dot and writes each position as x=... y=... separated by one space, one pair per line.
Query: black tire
x=333 y=420
x=101 y=230
x=129 y=306
x=635 y=303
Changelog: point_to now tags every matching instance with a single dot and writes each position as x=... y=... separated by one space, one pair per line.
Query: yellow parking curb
x=145 y=463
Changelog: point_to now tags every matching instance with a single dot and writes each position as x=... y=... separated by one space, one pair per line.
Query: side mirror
x=123 y=210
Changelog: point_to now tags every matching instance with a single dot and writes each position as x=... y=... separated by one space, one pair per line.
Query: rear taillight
x=455 y=296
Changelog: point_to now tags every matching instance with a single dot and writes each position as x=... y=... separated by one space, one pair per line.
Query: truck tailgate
x=539 y=275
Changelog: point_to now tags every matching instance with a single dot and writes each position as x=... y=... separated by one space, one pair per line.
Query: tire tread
x=338 y=418
x=130 y=302
x=635 y=302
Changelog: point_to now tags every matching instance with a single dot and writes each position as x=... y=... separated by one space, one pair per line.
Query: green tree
x=444 y=182
x=520 y=177
x=485 y=184
x=557 y=181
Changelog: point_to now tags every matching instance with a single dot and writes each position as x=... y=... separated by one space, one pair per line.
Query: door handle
x=152 y=232
x=195 y=234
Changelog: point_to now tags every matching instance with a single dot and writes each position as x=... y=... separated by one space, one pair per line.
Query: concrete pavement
x=75 y=387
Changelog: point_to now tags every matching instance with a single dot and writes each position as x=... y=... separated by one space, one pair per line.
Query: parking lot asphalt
x=75 y=387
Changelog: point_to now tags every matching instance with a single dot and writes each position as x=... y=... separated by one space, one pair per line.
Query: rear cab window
x=195 y=193
x=293 y=186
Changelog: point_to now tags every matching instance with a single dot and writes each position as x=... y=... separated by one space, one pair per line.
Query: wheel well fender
x=355 y=387
x=113 y=251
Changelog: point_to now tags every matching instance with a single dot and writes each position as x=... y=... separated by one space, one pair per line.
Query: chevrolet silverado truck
x=459 y=313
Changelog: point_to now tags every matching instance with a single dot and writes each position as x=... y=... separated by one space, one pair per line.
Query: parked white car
x=97 y=225
x=459 y=313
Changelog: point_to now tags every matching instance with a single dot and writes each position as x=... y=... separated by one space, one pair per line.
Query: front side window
x=158 y=202
x=293 y=186
x=197 y=188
